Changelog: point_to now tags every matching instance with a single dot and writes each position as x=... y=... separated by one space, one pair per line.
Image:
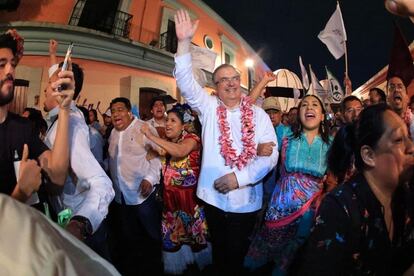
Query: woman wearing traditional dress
x=290 y=212
x=184 y=228
x=363 y=226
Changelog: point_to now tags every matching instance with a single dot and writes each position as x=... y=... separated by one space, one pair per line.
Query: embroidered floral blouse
x=350 y=236
x=304 y=157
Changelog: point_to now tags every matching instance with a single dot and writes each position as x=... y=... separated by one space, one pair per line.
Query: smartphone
x=65 y=64
x=67 y=56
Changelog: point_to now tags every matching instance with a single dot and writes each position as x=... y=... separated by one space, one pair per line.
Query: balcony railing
x=117 y=23
x=168 y=42
x=122 y=24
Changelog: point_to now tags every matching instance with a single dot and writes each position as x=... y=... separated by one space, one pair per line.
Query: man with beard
x=18 y=136
x=400 y=74
x=351 y=106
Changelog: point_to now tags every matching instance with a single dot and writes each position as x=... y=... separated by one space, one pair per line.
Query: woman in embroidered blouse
x=360 y=226
x=184 y=228
x=290 y=210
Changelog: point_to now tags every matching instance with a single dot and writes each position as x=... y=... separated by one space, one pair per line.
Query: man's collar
x=55 y=111
x=227 y=107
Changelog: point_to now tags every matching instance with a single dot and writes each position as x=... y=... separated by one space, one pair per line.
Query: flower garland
x=249 y=147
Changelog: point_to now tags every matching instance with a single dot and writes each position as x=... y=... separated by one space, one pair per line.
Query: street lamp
x=249 y=63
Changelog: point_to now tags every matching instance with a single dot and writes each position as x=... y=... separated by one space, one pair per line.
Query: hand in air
x=66 y=80
x=184 y=27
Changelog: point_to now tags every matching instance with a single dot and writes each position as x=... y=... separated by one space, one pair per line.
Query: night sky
x=279 y=31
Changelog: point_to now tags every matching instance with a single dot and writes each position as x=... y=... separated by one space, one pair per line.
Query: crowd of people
x=225 y=184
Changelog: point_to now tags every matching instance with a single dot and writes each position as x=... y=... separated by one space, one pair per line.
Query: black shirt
x=16 y=131
x=350 y=236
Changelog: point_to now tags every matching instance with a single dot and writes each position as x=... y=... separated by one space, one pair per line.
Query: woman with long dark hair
x=184 y=228
x=360 y=225
x=290 y=211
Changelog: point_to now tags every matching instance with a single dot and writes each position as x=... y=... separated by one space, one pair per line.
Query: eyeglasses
x=228 y=80
x=393 y=87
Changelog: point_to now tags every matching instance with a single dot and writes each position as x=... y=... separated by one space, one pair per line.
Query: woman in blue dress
x=290 y=212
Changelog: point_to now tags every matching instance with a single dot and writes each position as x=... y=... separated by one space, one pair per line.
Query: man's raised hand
x=184 y=27
x=66 y=79
x=53 y=44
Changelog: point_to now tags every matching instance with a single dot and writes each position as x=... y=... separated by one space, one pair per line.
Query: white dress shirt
x=155 y=123
x=96 y=144
x=248 y=197
x=128 y=164
x=88 y=190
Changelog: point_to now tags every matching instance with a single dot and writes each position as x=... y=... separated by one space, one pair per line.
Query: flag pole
x=345 y=48
x=346 y=80
x=346 y=59
x=329 y=92
x=311 y=81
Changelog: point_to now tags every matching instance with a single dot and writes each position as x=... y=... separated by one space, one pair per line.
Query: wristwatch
x=86 y=230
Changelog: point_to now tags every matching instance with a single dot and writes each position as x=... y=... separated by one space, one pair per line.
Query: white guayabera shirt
x=248 y=197
x=128 y=164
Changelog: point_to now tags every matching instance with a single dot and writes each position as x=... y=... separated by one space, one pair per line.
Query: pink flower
x=249 y=147
x=170 y=219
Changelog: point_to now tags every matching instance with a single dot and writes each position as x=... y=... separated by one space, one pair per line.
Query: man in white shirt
x=135 y=207
x=87 y=191
x=230 y=179
x=96 y=140
x=158 y=108
x=398 y=100
x=399 y=77
x=31 y=244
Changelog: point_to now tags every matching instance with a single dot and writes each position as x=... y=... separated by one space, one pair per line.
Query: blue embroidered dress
x=289 y=214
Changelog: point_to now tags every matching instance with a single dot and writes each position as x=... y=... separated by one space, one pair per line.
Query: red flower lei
x=249 y=147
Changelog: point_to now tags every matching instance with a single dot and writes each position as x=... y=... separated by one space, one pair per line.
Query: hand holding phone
x=65 y=64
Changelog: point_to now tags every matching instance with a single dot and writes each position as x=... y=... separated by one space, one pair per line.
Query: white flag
x=334 y=34
x=316 y=88
x=305 y=78
x=335 y=90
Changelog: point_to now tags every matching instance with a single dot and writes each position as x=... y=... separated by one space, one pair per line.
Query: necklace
x=249 y=147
